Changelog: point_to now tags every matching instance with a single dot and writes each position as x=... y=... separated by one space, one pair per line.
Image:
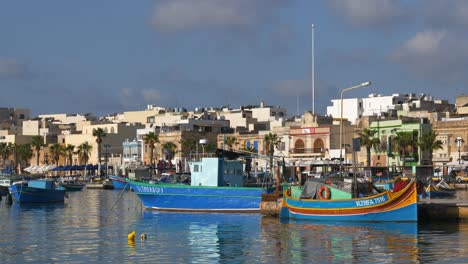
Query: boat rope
x=120 y=196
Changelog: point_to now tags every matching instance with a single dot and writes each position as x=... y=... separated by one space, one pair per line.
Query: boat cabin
x=216 y=172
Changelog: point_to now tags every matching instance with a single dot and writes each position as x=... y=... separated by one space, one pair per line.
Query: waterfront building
x=387 y=154
x=14 y=116
x=422 y=105
x=448 y=130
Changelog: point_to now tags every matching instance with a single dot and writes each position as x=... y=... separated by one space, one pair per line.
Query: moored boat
x=216 y=185
x=4 y=184
x=385 y=206
x=71 y=184
x=36 y=191
x=119 y=182
x=440 y=190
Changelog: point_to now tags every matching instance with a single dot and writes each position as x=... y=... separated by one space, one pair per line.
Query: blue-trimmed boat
x=216 y=185
x=440 y=190
x=119 y=182
x=36 y=191
x=385 y=206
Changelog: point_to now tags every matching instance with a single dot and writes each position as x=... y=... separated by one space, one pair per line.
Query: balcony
x=315 y=152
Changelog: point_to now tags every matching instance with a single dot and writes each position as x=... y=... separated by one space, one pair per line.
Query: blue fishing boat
x=440 y=190
x=119 y=182
x=216 y=185
x=327 y=205
x=36 y=191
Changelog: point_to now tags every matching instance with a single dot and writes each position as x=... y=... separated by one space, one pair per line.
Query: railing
x=307 y=151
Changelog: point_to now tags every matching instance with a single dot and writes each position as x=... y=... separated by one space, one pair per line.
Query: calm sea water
x=92 y=226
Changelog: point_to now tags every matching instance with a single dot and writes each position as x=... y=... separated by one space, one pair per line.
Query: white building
x=375 y=105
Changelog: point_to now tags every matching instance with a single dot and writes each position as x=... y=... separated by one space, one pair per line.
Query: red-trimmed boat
x=386 y=206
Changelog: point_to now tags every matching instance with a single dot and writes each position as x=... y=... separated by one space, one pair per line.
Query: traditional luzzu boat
x=440 y=190
x=216 y=185
x=36 y=191
x=119 y=182
x=331 y=205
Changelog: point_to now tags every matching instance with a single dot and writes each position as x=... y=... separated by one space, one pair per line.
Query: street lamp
x=107 y=146
x=341 y=116
x=459 y=140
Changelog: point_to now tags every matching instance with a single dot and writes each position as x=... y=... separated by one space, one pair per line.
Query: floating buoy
x=143 y=236
x=131 y=236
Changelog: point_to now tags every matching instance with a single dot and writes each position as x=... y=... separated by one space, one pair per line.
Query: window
x=195 y=168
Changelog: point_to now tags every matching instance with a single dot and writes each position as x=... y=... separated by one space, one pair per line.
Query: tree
x=37 y=144
x=271 y=141
x=151 y=139
x=23 y=153
x=5 y=151
x=56 y=150
x=368 y=141
x=402 y=140
x=188 y=145
x=428 y=142
x=230 y=141
x=169 y=148
x=69 y=150
x=83 y=151
x=99 y=133
x=250 y=149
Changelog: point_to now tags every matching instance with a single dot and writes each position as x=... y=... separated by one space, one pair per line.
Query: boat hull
x=387 y=206
x=178 y=197
x=24 y=194
x=119 y=182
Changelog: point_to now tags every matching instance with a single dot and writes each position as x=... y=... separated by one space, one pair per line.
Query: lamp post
x=107 y=146
x=459 y=140
x=341 y=116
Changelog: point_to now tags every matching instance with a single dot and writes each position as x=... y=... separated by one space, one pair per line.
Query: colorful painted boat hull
x=119 y=182
x=387 y=206
x=178 y=197
x=24 y=194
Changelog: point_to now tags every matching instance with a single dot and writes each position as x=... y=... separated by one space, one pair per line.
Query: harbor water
x=92 y=227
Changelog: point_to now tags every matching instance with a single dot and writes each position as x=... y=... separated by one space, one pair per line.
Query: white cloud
x=447 y=13
x=369 y=12
x=151 y=95
x=440 y=56
x=12 y=69
x=185 y=15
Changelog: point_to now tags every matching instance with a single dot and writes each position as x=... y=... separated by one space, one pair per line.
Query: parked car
x=460 y=175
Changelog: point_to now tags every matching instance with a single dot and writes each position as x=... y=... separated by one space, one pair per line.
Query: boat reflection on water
x=205 y=237
x=342 y=242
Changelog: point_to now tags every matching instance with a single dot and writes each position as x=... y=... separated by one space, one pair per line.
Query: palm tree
x=151 y=139
x=56 y=150
x=250 y=149
x=83 y=151
x=369 y=141
x=69 y=150
x=37 y=144
x=5 y=151
x=402 y=140
x=271 y=141
x=99 y=133
x=169 y=148
x=429 y=142
x=230 y=141
x=188 y=145
x=23 y=153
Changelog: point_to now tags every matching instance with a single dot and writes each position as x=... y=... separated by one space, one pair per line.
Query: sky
x=109 y=56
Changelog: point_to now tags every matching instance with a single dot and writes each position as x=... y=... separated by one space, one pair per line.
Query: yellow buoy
x=131 y=236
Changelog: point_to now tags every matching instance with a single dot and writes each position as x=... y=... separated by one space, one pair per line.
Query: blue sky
x=111 y=56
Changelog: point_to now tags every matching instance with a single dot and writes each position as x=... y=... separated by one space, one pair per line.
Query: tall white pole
x=313 y=70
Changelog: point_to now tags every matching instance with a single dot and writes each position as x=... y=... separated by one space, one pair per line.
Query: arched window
x=112 y=130
x=299 y=146
x=318 y=145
